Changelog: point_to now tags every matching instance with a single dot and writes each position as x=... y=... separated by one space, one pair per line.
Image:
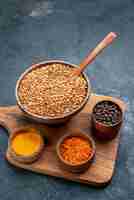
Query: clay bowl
x=20 y=158
x=46 y=119
x=103 y=131
x=78 y=167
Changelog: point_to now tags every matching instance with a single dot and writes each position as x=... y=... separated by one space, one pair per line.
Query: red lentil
x=75 y=149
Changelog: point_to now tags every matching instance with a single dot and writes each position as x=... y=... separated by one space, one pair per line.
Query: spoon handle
x=96 y=51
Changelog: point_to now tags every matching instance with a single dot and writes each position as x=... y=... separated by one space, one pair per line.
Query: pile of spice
x=107 y=112
x=48 y=91
x=75 y=150
x=26 y=143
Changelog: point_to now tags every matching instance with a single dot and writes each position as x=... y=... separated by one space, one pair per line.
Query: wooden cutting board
x=102 y=169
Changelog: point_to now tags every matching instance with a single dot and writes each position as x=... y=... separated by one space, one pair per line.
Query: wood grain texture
x=102 y=169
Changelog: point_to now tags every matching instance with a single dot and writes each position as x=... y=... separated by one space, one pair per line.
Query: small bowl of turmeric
x=25 y=145
x=75 y=151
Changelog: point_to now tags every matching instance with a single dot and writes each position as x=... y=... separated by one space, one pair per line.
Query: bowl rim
x=41 y=64
x=106 y=125
x=75 y=134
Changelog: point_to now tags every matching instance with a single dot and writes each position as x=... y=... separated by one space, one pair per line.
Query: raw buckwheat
x=47 y=90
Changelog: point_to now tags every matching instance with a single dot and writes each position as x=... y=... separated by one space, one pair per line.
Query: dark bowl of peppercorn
x=107 y=117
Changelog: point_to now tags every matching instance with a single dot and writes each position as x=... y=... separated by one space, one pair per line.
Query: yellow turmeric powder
x=26 y=143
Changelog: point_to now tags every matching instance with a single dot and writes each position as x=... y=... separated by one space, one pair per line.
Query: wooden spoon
x=96 y=51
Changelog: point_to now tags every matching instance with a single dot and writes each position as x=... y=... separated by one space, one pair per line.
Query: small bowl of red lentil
x=107 y=117
x=45 y=93
x=75 y=151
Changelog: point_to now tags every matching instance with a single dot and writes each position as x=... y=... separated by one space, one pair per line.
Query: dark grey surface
x=31 y=31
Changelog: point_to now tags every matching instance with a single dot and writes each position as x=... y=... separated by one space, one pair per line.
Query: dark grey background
x=31 y=31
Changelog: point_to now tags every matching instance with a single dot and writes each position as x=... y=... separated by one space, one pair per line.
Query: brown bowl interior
x=119 y=108
x=48 y=119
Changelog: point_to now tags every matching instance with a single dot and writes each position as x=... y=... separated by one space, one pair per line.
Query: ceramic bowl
x=103 y=131
x=46 y=119
x=78 y=167
x=24 y=159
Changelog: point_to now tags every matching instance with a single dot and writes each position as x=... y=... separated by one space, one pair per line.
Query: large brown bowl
x=46 y=119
